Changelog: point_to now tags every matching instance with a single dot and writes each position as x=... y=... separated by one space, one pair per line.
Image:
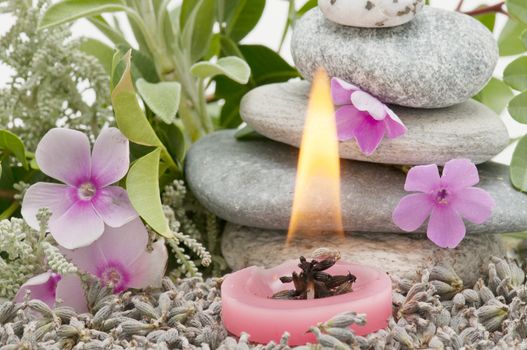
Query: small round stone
x=467 y=130
x=370 y=13
x=438 y=59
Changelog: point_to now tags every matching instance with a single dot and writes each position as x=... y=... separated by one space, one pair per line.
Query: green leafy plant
x=181 y=53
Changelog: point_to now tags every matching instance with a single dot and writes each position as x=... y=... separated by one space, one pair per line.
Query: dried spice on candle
x=313 y=283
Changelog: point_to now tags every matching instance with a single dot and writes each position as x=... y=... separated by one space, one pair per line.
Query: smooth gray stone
x=251 y=183
x=467 y=130
x=402 y=256
x=438 y=59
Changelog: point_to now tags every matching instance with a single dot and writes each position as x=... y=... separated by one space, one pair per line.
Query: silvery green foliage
x=191 y=224
x=25 y=252
x=50 y=77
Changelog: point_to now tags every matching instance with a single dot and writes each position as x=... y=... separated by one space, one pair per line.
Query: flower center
x=442 y=196
x=86 y=191
x=114 y=274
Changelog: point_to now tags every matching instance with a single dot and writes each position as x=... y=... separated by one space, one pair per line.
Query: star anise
x=313 y=283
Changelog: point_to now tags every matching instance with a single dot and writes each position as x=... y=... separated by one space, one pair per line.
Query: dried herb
x=313 y=283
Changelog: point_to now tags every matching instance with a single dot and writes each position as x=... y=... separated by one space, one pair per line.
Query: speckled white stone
x=402 y=256
x=438 y=59
x=370 y=13
x=466 y=130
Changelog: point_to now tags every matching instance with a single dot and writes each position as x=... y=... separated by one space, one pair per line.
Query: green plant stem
x=289 y=22
x=6 y=214
x=488 y=9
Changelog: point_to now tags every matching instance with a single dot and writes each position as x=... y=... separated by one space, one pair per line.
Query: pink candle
x=247 y=306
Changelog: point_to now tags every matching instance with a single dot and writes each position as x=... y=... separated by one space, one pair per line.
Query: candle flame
x=316 y=202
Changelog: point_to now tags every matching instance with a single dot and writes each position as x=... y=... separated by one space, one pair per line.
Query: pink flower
x=363 y=117
x=86 y=202
x=50 y=286
x=446 y=199
x=120 y=257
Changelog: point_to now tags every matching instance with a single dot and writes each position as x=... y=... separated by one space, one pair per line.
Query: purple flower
x=50 y=287
x=120 y=257
x=446 y=199
x=86 y=202
x=363 y=117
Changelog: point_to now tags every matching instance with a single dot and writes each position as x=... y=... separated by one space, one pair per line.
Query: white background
x=269 y=31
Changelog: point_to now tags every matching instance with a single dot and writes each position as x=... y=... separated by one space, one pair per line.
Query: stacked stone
x=427 y=65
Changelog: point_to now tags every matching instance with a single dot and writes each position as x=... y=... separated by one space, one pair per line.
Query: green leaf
x=198 y=27
x=266 y=67
x=518 y=167
x=174 y=140
x=244 y=18
x=162 y=98
x=99 y=50
x=129 y=116
x=495 y=95
x=515 y=75
x=307 y=6
x=232 y=67
x=487 y=19
x=113 y=34
x=518 y=108
x=510 y=40
x=69 y=10
x=142 y=185
x=524 y=38
x=12 y=144
x=518 y=9
x=142 y=65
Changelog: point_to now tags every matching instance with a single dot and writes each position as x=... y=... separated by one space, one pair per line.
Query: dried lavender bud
x=134 y=327
x=328 y=340
x=446 y=274
x=443 y=289
x=471 y=296
x=492 y=315
x=146 y=309
x=41 y=307
x=67 y=331
x=344 y=320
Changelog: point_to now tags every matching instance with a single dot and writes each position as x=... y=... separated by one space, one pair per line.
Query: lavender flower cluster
x=436 y=312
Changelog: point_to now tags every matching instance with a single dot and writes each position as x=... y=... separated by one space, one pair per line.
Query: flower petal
x=459 y=173
x=57 y=198
x=71 y=293
x=366 y=102
x=446 y=227
x=412 y=211
x=113 y=206
x=42 y=287
x=394 y=126
x=77 y=227
x=422 y=178
x=149 y=268
x=64 y=154
x=341 y=91
x=474 y=204
x=124 y=245
x=369 y=135
x=110 y=157
x=348 y=119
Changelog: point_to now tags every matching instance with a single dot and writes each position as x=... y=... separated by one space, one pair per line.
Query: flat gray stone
x=251 y=183
x=467 y=130
x=402 y=256
x=438 y=59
